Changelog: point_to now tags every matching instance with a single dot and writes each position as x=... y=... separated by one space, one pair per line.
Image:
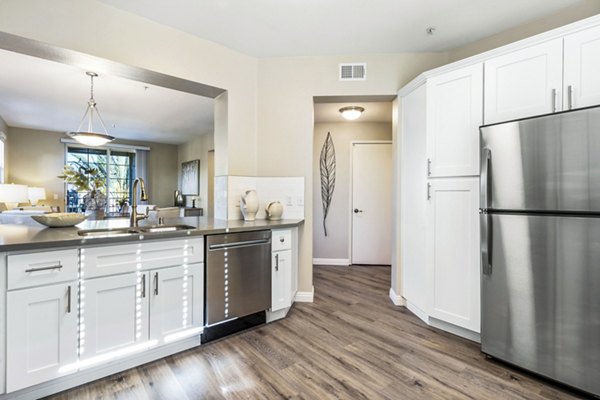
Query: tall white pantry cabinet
x=441 y=112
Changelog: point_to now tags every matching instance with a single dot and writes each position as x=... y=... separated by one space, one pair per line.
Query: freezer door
x=541 y=296
x=544 y=164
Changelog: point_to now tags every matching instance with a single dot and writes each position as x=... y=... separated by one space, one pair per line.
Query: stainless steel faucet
x=134 y=218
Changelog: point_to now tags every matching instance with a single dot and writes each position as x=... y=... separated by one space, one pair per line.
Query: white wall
x=574 y=13
x=197 y=149
x=336 y=244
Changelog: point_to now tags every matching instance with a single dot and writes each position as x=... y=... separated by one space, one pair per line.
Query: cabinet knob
x=282 y=239
x=356 y=211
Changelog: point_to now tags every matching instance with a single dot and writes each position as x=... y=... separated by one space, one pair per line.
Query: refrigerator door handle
x=486 y=179
x=486 y=243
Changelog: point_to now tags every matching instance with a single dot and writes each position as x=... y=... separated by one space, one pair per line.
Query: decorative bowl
x=60 y=220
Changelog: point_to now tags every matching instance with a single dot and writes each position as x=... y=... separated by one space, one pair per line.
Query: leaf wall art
x=327 y=163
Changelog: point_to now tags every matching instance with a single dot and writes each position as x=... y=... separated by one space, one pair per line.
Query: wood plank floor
x=351 y=343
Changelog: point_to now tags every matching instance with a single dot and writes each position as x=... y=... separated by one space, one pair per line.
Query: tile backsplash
x=287 y=190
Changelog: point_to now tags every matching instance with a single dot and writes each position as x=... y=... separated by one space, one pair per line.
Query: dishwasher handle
x=232 y=245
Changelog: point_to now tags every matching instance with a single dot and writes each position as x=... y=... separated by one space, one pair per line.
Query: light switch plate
x=300 y=200
x=288 y=201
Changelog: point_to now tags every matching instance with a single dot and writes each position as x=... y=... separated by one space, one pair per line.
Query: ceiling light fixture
x=351 y=112
x=91 y=137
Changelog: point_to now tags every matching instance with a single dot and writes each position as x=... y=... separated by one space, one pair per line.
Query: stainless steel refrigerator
x=540 y=245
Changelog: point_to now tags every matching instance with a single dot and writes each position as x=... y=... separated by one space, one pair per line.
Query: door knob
x=356 y=211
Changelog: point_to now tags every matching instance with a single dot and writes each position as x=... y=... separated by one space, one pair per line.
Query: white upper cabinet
x=524 y=83
x=454 y=114
x=582 y=66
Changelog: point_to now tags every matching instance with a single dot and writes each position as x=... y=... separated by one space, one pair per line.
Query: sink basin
x=107 y=232
x=165 y=228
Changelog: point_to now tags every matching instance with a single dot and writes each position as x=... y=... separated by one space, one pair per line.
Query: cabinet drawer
x=111 y=260
x=281 y=240
x=44 y=268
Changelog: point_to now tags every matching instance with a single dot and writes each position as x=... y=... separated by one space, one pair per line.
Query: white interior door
x=372 y=203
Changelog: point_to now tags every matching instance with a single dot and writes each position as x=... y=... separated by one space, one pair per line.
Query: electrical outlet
x=288 y=201
x=55 y=196
x=300 y=200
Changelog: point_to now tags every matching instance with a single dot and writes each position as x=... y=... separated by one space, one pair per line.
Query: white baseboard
x=397 y=300
x=305 y=297
x=455 y=330
x=331 y=261
x=418 y=312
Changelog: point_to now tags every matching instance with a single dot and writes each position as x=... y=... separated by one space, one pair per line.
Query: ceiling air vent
x=353 y=72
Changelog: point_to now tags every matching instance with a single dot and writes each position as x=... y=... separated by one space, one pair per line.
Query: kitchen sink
x=165 y=228
x=100 y=233
x=107 y=232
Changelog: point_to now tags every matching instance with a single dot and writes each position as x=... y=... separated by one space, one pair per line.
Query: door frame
x=351 y=187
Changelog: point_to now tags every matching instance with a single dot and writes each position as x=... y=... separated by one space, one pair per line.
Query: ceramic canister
x=274 y=210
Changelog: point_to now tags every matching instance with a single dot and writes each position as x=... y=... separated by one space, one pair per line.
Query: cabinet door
x=413 y=203
x=582 y=63
x=454 y=246
x=454 y=114
x=524 y=83
x=281 y=279
x=41 y=334
x=176 y=302
x=115 y=316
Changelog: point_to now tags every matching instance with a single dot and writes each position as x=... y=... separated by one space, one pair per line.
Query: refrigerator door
x=541 y=296
x=548 y=163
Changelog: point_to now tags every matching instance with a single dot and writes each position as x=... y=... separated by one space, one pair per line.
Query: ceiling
x=276 y=28
x=47 y=95
x=374 y=112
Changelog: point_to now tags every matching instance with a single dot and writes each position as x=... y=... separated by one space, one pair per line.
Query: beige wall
x=285 y=116
x=132 y=40
x=40 y=164
x=574 y=13
x=197 y=149
x=336 y=243
x=36 y=158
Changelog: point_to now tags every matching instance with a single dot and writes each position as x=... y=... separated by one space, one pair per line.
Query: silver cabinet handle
x=156 y=284
x=570 y=97
x=58 y=266
x=276 y=262
x=429 y=167
x=486 y=243
x=554 y=100
x=69 y=299
x=428 y=191
x=486 y=179
x=144 y=286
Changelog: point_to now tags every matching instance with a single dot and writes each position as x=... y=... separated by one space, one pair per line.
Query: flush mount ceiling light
x=351 y=112
x=91 y=137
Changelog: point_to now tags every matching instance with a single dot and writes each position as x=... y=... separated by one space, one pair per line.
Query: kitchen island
x=81 y=303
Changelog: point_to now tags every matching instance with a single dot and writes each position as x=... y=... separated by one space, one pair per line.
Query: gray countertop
x=34 y=236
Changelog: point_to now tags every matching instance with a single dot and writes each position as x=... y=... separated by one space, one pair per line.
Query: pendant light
x=90 y=137
x=351 y=112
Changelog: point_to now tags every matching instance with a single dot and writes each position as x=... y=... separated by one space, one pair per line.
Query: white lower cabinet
x=176 y=302
x=114 y=316
x=281 y=279
x=454 y=250
x=127 y=313
x=41 y=342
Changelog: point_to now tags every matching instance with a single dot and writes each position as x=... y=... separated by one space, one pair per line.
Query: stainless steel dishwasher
x=238 y=275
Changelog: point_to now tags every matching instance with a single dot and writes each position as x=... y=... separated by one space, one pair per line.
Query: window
x=116 y=170
x=2 y=169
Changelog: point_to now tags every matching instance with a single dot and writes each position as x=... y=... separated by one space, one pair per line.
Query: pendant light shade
x=352 y=112
x=90 y=136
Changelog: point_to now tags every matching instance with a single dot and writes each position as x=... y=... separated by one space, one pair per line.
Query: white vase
x=249 y=205
x=274 y=210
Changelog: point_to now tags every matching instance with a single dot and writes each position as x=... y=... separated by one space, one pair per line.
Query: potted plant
x=91 y=181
